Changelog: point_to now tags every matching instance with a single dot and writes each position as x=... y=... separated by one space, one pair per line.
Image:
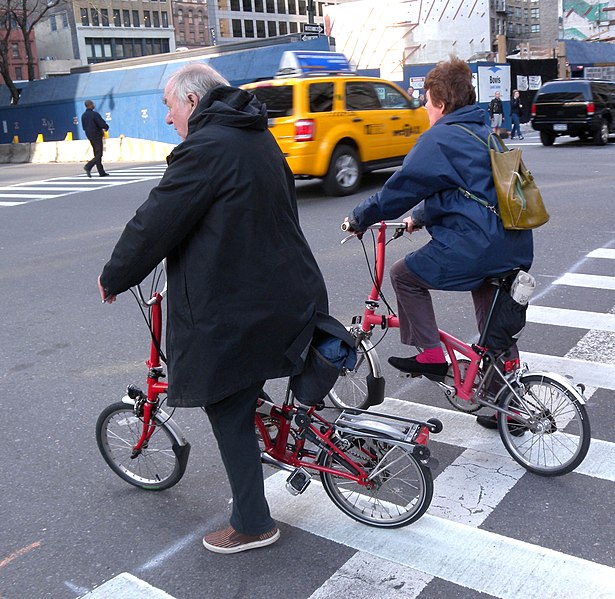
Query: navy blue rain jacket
x=468 y=241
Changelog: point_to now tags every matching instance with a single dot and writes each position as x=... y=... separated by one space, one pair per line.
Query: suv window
x=321 y=97
x=604 y=91
x=389 y=97
x=361 y=95
x=564 y=91
x=277 y=98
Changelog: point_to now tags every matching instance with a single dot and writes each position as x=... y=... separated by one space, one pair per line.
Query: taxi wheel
x=344 y=174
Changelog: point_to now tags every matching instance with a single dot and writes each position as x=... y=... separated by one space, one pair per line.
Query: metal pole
x=310 y=11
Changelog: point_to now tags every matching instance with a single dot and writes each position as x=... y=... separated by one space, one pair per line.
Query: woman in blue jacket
x=468 y=242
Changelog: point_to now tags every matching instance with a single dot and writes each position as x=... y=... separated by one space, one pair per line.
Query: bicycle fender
x=561 y=380
x=166 y=418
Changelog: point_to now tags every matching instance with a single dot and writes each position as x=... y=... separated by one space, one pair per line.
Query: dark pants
x=417 y=320
x=516 y=125
x=97 y=146
x=232 y=421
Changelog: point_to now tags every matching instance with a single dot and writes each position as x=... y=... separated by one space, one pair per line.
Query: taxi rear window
x=277 y=98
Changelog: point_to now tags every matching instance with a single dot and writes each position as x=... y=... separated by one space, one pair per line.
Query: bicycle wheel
x=398 y=494
x=350 y=389
x=159 y=465
x=558 y=439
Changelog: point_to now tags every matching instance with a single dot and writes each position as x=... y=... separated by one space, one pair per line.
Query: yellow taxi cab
x=335 y=125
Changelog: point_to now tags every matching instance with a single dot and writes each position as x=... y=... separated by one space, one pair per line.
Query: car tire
x=547 y=138
x=601 y=137
x=344 y=174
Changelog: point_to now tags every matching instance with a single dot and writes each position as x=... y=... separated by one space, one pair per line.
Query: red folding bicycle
x=541 y=417
x=374 y=467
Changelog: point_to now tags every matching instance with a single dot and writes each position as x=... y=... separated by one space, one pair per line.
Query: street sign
x=312 y=28
x=309 y=36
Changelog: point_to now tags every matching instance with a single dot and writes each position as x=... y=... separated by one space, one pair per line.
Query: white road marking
x=602 y=253
x=126 y=586
x=579 y=319
x=577 y=279
x=464 y=555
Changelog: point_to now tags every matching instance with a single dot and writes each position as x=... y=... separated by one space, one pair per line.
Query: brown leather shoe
x=231 y=541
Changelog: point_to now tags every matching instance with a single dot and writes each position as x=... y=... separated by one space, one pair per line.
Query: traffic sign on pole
x=309 y=36
x=312 y=28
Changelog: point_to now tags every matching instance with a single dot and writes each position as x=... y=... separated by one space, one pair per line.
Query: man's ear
x=194 y=100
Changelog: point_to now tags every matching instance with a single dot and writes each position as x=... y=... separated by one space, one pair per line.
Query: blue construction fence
x=129 y=99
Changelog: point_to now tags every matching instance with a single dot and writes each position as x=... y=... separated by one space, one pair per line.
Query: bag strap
x=492 y=136
x=471 y=196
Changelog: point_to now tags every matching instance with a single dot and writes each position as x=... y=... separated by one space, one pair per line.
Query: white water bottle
x=523 y=287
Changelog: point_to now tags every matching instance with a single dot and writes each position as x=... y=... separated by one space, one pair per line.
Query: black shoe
x=491 y=422
x=88 y=171
x=521 y=137
x=435 y=372
x=105 y=175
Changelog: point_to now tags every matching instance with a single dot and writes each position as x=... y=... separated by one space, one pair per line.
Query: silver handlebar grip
x=345 y=226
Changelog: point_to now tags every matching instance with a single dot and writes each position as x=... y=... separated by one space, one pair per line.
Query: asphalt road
x=70 y=525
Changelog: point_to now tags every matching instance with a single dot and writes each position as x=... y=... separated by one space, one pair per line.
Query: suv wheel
x=344 y=174
x=601 y=137
x=547 y=138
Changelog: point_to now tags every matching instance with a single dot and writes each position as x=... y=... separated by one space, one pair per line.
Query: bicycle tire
x=159 y=466
x=350 y=389
x=396 y=498
x=559 y=440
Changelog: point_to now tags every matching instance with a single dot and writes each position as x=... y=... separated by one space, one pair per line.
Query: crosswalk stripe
x=461 y=430
x=577 y=279
x=602 y=253
x=126 y=586
x=27 y=196
x=589 y=373
x=485 y=561
x=579 y=319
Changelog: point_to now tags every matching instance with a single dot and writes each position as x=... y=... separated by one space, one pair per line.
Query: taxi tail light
x=591 y=108
x=304 y=130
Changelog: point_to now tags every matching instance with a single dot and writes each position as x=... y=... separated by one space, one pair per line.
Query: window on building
x=147 y=20
x=247 y=5
x=321 y=6
x=94 y=17
x=190 y=17
x=293 y=27
x=15 y=50
x=104 y=17
x=135 y=20
x=535 y=12
x=302 y=9
x=270 y=5
x=272 y=29
x=52 y=23
x=260 y=29
x=117 y=18
x=180 y=16
x=64 y=20
x=283 y=28
x=156 y=18
x=235 y=5
x=199 y=17
x=518 y=12
x=18 y=73
x=249 y=28
x=259 y=6
x=535 y=28
x=282 y=7
x=85 y=17
x=292 y=7
x=237 y=28
x=526 y=13
x=165 y=18
x=126 y=18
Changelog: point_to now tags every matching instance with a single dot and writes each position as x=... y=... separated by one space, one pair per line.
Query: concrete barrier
x=117 y=149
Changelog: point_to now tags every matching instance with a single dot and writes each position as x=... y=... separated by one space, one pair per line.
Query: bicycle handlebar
x=150 y=302
x=345 y=226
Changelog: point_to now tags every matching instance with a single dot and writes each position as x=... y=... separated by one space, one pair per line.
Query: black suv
x=577 y=107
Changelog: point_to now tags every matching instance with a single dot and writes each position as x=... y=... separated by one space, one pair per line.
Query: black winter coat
x=93 y=124
x=244 y=286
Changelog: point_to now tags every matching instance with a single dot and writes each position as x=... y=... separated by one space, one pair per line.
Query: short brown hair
x=450 y=83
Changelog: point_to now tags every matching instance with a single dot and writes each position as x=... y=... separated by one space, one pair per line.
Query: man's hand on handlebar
x=106 y=299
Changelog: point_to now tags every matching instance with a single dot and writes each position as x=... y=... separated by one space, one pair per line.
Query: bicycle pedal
x=298 y=481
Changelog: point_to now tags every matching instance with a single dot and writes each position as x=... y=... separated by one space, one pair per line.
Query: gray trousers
x=232 y=421
x=417 y=320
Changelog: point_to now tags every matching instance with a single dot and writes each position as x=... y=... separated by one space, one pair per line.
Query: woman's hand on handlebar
x=106 y=299
x=411 y=226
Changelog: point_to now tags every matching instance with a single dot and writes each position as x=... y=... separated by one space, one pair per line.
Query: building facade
x=16 y=54
x=89 y=32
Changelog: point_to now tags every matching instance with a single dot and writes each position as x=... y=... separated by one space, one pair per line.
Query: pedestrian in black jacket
x=515 y=115
x=94 y=126
x=496 y=112
x=243 y=283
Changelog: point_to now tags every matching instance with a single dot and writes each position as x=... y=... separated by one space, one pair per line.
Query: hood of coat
x=230 y=107
x=472 y=113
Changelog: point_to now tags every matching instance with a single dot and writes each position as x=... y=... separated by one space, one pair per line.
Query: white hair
x=195 y=78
